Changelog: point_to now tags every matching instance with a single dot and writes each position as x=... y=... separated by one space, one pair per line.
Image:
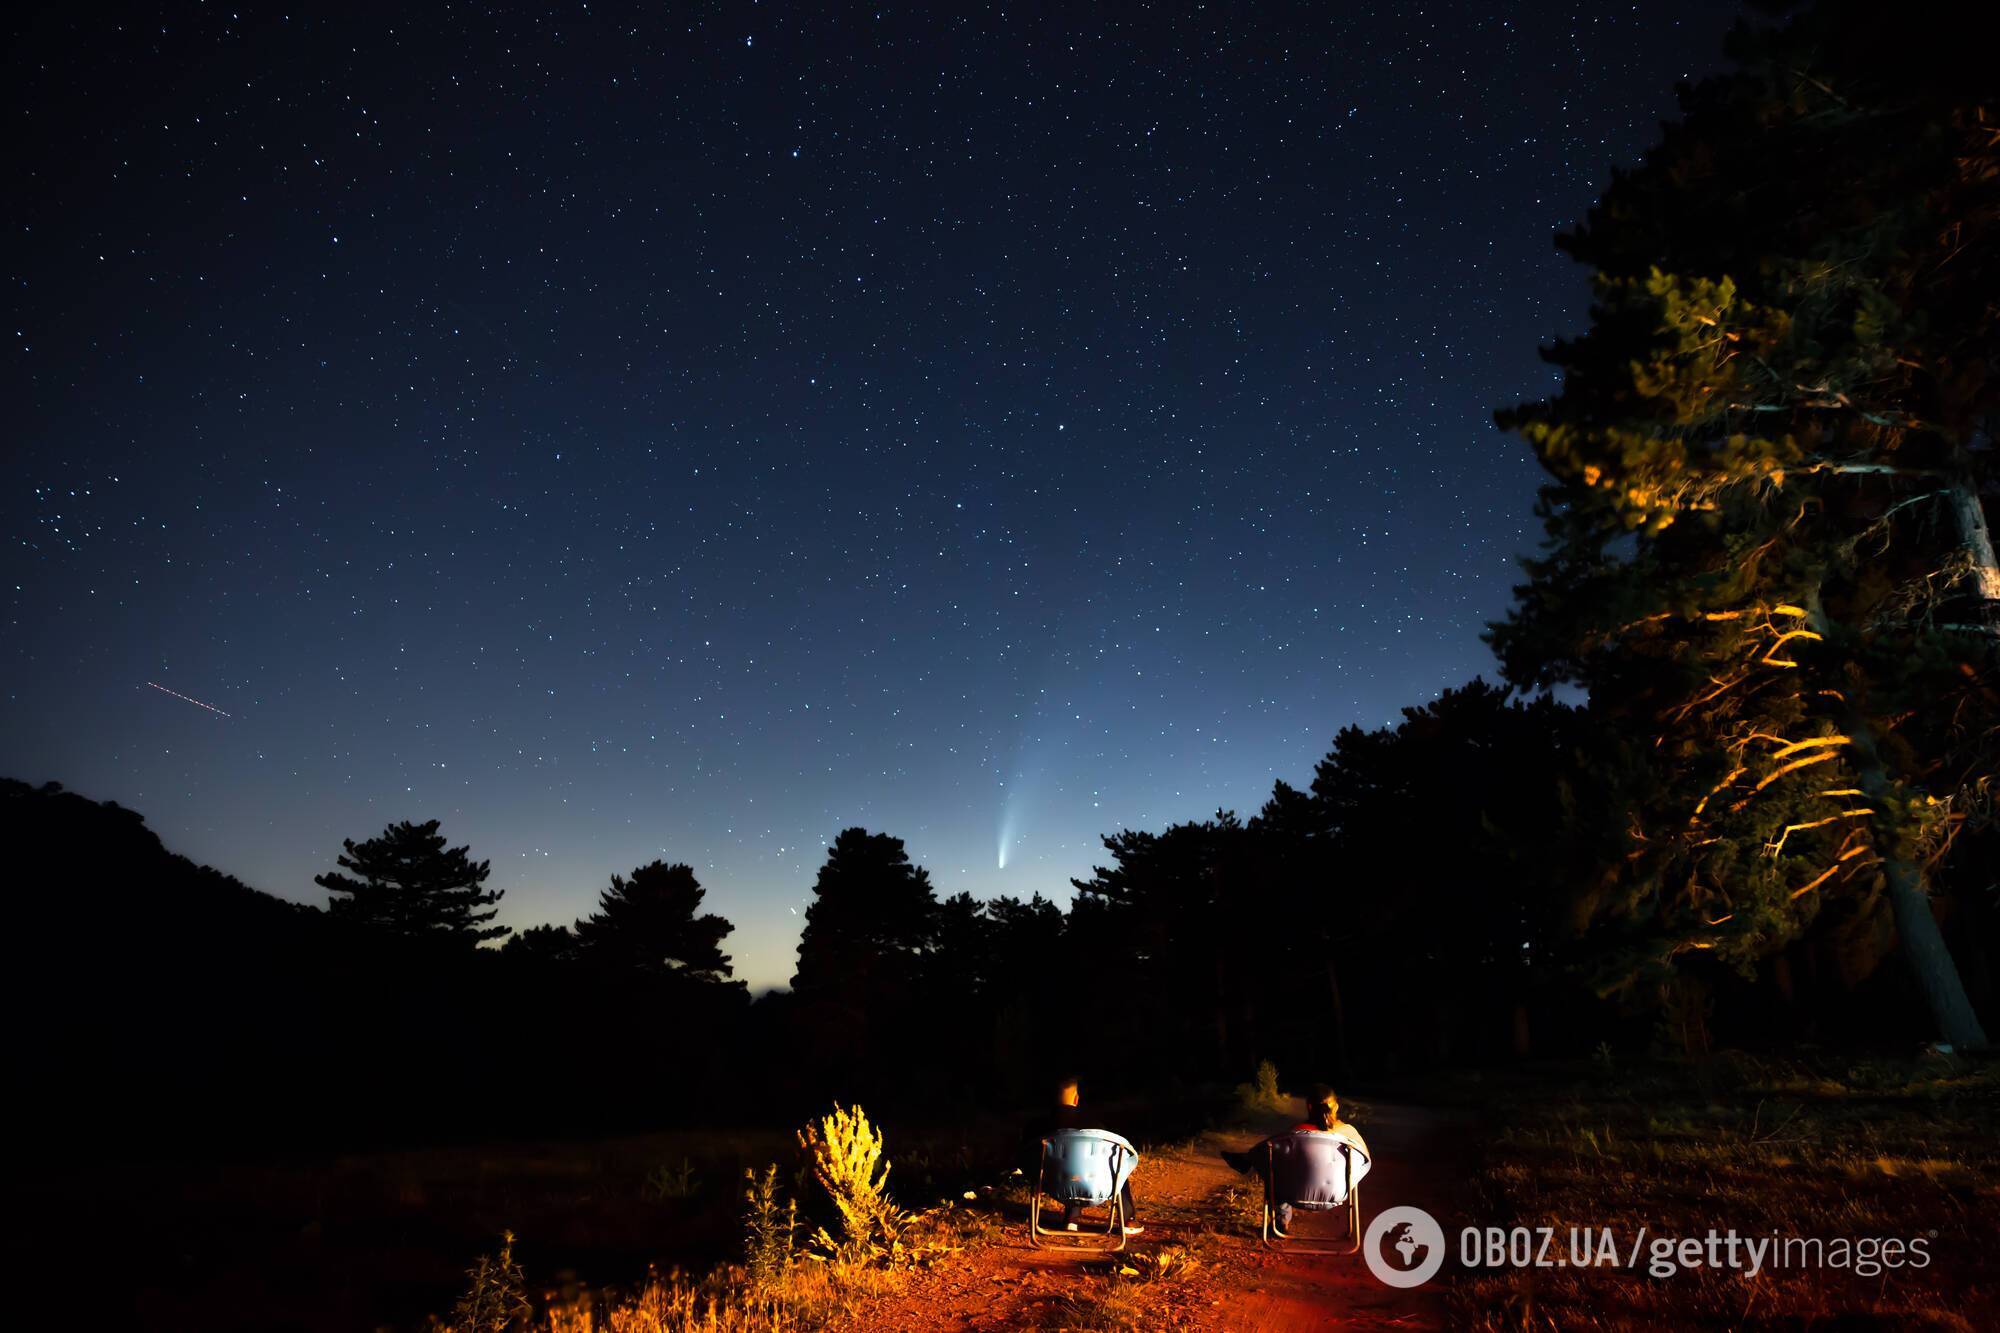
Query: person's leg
x=1284 y=1217
x=1072 y=1214
x=1132 y=1227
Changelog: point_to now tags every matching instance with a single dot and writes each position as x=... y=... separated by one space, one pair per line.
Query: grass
x=792 y=1297
x=780 y=1287
x=669 y=1181
x=1764 y=1147
x=318 y=1242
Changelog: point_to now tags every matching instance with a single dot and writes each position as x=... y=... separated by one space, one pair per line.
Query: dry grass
x=801 y=1296
x=777 y=1291
x=1877 y=1150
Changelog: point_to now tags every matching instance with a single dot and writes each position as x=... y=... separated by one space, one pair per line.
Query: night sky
x=690 y=434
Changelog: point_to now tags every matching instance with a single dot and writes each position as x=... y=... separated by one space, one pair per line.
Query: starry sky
x=689 y=431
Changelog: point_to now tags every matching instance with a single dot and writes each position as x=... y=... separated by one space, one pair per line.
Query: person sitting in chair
x=1065 y=1115
x=1322 y=1116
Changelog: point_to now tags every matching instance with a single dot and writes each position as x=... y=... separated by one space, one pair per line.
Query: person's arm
x=1033 y=1131
x=1250 y=1161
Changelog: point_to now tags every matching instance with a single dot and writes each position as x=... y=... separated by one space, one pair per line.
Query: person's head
x=1066 y=1090
x=1322 y=1107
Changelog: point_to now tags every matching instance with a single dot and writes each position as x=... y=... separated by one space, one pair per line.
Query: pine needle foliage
x=407 y=882
x=652 y=923
x=1767 y=559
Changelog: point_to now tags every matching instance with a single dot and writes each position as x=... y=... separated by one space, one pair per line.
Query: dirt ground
x=1199 y=1213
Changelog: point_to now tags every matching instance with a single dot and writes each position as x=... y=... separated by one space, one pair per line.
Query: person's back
x=1335 y=1125
x=1066 y=1114
x=1322 y=1116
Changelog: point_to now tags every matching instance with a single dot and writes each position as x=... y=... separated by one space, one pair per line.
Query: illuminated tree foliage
x=1768 y=557
x=650 y=923
x=407 y=882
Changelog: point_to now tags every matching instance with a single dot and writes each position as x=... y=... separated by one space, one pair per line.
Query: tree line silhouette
x=1416 y=906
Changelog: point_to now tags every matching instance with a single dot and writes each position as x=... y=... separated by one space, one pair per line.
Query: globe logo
x=1404 y=1246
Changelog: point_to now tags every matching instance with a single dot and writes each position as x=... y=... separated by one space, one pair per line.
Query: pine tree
x=1768 y=558
x=407 y=882
x=872 y=919
x=868 y=945
x=541 y=946
x=649 y=923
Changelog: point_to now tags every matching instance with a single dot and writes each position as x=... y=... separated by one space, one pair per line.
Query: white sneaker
x=1069 y=1226
x=1133 y=1228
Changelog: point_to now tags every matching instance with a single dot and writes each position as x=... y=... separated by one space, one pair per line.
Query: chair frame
x=1114 y=1228
x=1351 y=1209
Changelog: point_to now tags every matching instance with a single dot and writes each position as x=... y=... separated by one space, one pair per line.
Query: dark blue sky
x=687 y=432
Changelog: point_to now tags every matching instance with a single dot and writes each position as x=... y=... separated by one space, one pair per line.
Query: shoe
x=1069 y=1226
x=1133 y=1228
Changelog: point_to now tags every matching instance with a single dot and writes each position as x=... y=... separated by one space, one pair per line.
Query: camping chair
x=1086 y=1166
x=1316 y=1172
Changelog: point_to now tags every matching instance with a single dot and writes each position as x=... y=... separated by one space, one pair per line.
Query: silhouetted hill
x=84 y=858
x=160 y=994
x=169 y=1007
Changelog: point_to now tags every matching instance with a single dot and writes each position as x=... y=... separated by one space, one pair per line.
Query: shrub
x=768 y=1229
x=496 y=1299
x=844 y=1150
x=1262 y=1093
x=672 y=1182
x=879 y=1246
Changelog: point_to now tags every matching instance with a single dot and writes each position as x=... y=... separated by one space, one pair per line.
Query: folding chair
x=1316 y=1172
x=1086 y=1166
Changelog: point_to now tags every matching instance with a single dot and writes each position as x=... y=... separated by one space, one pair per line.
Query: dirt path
x=1195 y=1208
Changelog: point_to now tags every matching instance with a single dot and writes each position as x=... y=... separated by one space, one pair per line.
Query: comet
x=1011 y=819
x=184 y=699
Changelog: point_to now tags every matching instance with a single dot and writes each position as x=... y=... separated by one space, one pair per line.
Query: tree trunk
x=1977 y=541
x=1781 y=977
x=1924 y=950
x=1221 y=1014
x=1524 y=1041
x=1339 y=1019
x=1917 y=935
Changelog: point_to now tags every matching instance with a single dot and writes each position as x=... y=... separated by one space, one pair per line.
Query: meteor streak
x=184 y=699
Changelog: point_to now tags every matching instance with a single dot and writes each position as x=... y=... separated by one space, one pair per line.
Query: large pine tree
x=649 y=923
x=868 y=945
x=873 y=918
x=409 y=883
x=1769 y=560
